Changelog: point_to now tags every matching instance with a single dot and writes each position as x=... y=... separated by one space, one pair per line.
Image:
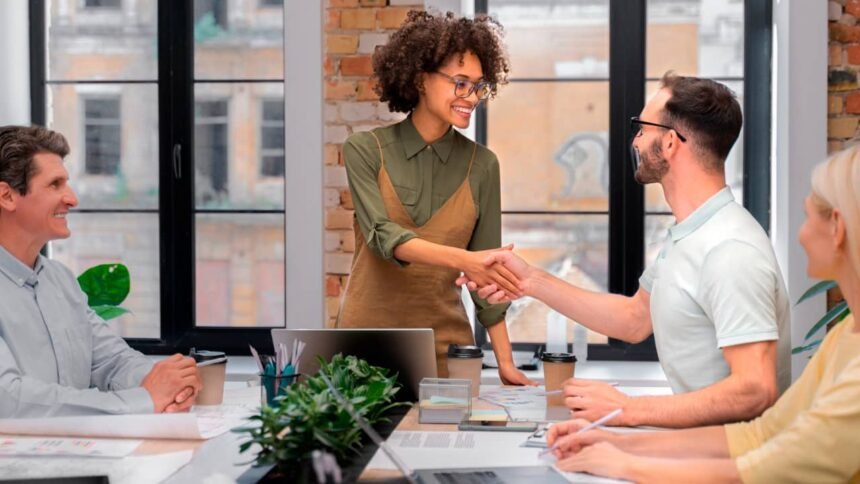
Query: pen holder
x=272 y=386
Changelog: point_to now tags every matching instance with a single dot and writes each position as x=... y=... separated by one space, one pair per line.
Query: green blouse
x=424 y=176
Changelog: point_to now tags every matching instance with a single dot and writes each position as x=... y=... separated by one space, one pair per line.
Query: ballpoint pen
x=602 y=420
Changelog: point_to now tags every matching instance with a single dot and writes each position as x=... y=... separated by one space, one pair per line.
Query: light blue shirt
x=716 y=283
x=57 y=357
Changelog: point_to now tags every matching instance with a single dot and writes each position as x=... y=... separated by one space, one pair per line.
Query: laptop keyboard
x=476 y=477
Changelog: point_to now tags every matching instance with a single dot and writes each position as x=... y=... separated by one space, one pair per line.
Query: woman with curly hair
x=427 y=199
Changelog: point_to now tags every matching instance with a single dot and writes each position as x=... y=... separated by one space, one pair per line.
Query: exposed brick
x=852 y=54
x=840 y=80
x=346 y=199
x=331 y=198
x=852 y=103
x=330 y=113
x=373 y=3
x=842 y=127
x=365 y=91
x=358 y=128
x=367 y=42
x=347 y=243
x=359 y=65
x=358 y=19
x=331 y=240
x=416 y=3
x=329 y=66
x=357 y=111
x=335 y=90
x=342 y=3
x=338 y=263
x=848 y=19
x=341 y=44
x=332 y=19
x=335 y=134
x=833 y=147
x=834 y=54
x=332 y=286
x=834 y=10
x=834 y=104
x=844 y=33
x=335 y=176
x=338 y=218
x=332 y=154
x=392 y=17
x=384 y=114
x=853 y=7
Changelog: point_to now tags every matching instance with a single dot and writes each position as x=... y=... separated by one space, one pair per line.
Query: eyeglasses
x=464 y=88
x=636 y=127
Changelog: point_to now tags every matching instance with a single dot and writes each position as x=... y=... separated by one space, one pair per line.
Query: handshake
x=498 y=275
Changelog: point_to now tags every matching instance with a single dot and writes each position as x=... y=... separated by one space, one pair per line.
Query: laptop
x=484 y=475
x=411 y=353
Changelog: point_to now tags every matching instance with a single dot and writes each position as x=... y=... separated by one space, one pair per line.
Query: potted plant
x=106 y=287
x=835 y=315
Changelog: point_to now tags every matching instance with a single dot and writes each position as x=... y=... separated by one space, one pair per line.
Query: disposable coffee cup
x=212 y=366
x=465 y=362
x=557 y=367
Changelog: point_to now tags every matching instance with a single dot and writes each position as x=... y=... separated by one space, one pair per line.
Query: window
x=103 y=3
x=179 y=197
x=580 y=70
x=102 y=136
x=272 y=138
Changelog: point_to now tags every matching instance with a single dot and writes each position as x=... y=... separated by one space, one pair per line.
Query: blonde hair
x=834 y=186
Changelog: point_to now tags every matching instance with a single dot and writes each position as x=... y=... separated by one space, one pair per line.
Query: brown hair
x=706 y=109
x=18 y=145
x=426 y=41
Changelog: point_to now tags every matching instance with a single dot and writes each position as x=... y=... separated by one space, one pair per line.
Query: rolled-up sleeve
x=361 y=158
x=488 y=235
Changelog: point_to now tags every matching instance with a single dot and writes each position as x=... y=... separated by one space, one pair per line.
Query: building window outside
x=103 y=3
x=102 y=139
x=272 y=138
x=211 y=151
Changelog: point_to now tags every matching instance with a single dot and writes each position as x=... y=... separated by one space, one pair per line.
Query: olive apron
x=381 y=294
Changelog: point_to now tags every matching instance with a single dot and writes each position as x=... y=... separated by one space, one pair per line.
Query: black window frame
x=627 y=64
x=176 y=100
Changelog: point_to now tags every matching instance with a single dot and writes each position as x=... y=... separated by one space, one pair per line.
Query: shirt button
x=20 y=281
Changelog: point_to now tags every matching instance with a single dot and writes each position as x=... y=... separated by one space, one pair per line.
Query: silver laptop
x=409 y=352
x=484 y=475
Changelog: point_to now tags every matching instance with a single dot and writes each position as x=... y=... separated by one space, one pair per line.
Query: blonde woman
x=811 y=434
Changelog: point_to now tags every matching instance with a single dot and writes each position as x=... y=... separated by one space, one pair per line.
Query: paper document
x=37 y=446
x=145 y=469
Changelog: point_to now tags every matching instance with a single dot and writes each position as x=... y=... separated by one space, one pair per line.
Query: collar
x=17 y=271
x=413 y=143
x=702 y=214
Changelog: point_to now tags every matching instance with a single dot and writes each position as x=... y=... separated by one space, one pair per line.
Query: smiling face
x=820 y=237
x=41 y=213
x=438 y=98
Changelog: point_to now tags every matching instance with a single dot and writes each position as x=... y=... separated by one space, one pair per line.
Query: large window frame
x=627 y=79
x=304 y=268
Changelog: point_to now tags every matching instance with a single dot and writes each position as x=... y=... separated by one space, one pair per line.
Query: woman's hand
x=510 y=375
x=480 y=269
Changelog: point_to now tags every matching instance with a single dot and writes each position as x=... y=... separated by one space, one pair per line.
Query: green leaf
x=109 y=312
x=810 y=346
x=818 y=288
x=105 y=284
x=838 y=311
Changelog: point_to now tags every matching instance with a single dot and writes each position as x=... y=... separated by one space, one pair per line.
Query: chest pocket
x=76 y=363
x=408 y=196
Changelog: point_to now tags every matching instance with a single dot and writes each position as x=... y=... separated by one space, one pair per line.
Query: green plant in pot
x=835 y=315
x=309 y=417
x=106 y=287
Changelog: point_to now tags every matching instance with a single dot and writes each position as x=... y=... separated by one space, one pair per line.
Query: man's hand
x=600 y=459
x=494 y=293
x=169 y=381
x=565 y=436
x=591 y=400
x=510 y=375
x=479 y=270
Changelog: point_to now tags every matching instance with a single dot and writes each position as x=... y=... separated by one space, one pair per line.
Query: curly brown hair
x=426 y=41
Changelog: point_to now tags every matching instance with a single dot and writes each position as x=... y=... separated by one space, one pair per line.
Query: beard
x=652 y=165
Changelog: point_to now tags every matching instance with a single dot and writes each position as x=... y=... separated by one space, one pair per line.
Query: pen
x=211 y=362
x=602 y=420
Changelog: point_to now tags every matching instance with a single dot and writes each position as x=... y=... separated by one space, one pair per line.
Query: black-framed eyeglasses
x=636 y=128
x=464 y=88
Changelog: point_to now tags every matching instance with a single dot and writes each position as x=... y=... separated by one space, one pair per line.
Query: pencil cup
x=272 y=386
x=557 y=367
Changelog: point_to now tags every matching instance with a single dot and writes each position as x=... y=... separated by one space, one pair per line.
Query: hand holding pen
x=561 y=434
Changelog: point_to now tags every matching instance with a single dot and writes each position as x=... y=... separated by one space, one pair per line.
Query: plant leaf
x=105 y=284
x=818 y=288
x=109 y=312
x=810 y=346
x=834 y=313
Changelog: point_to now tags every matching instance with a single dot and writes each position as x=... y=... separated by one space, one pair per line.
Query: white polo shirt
x=716 y=283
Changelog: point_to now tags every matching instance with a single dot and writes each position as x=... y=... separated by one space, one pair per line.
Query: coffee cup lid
x=558 y=357
x=206 y=355
x=464 y=351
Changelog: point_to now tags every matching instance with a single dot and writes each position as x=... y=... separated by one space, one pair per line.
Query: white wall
x=14 y=63
x=799 y=142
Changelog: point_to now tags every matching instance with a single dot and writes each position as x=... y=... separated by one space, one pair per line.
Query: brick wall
x=353 y=29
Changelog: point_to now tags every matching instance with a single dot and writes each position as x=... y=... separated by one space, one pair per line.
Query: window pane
x=551 y=140
x=236 y=39
x=551 y=38
x=113 y=134
x=129 y=238
x=574 y=248
x=695 y=37
x=654 y=199
x=102 y=39
x=235 y=147
x=656 y=232
x=240 y=270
